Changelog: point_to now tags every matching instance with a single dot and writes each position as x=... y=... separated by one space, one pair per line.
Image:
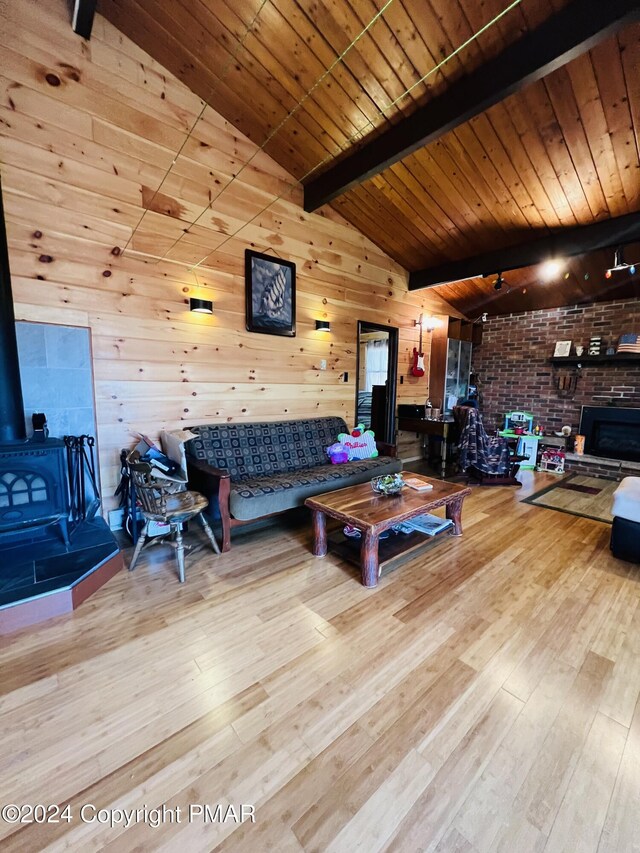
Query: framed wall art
x=563 y=348
x=270 y=285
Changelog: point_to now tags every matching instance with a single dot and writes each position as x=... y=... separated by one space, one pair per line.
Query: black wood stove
x=37 y=558
x=33 y=476
x=33 y=487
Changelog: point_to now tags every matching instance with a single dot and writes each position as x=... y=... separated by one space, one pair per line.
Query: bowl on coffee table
x=388 y=484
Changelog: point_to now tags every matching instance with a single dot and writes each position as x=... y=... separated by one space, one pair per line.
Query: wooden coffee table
x=362 y=508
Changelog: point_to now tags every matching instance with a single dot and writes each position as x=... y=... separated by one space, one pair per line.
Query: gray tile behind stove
x=55 y=368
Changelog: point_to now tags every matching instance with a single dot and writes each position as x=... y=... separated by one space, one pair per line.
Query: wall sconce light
x=428 y=324
x=323 y=326
x=200 y=306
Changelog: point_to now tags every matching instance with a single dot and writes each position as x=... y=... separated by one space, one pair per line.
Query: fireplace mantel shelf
x=594 y=360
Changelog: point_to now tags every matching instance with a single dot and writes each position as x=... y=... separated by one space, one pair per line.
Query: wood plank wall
x=90 y=131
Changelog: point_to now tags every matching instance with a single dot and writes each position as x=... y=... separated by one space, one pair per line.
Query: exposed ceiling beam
x=577 y=28
x=83 y=14
x=562 y=244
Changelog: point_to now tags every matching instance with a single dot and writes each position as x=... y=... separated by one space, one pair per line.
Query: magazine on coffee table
x=418 y=484
x=426 y=523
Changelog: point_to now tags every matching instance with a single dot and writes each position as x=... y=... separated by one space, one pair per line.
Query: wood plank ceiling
x=306 y=79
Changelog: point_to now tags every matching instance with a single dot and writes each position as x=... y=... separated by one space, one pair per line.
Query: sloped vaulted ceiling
x=309 y=79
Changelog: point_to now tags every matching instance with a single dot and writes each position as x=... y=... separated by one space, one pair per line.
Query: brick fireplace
x=514 y=372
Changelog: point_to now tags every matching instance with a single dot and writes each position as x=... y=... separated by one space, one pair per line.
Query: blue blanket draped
x=488 y=454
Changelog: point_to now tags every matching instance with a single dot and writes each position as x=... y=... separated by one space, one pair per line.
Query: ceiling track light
x=497 y=284
x=619 y=264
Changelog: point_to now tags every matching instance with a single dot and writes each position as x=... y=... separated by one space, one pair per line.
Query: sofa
x=252 y=470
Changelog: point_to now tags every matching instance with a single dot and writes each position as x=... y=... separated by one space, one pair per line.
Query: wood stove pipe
x=12 y=427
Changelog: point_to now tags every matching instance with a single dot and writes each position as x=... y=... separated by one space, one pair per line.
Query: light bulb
x=429 y=324
x=550 y=269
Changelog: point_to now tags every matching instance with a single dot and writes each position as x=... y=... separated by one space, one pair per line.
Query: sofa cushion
x=626 y=499
x=263 y=495
x=248 y=451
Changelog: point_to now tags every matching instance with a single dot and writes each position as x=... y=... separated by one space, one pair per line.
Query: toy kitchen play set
x=531 y=440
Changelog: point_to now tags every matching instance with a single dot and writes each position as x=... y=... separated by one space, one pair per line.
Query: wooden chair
x=162 y=503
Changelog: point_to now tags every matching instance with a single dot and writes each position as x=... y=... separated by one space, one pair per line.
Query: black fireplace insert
x=611 y=432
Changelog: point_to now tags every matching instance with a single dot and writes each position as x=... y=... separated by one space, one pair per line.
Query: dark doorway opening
x=376 y=378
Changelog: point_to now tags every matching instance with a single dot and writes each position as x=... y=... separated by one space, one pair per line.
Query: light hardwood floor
x=484 y=697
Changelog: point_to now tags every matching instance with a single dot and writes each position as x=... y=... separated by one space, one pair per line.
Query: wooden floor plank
x=581 y=816
x=491 y=801
x=620 y=831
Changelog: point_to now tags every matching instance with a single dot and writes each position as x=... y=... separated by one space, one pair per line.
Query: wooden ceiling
x=306 y=80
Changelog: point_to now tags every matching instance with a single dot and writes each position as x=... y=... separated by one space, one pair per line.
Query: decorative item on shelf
x=578 y=446
x=629 y=342
x=388 y=484
x=611 y=350
x=566 y=430
x=579 y=350
x=563 y=348
x=595 y=345
x=323 y=326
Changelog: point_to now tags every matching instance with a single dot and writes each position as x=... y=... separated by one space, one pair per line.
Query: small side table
x=426 y=428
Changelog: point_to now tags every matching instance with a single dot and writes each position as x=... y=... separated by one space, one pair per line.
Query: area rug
x=578 y=494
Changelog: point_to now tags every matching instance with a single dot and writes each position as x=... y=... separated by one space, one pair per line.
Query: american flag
x=629 y=343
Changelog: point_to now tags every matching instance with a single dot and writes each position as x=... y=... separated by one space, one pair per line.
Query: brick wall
x=514 y=372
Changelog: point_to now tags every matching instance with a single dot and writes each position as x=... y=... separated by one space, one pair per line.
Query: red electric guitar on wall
x=417 y=368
